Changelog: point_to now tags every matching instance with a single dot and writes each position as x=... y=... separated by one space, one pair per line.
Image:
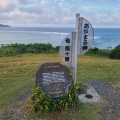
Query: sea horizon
x=103 y=37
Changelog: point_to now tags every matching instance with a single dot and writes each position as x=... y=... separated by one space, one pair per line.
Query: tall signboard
x=67 y=50
x=77 y=43
x=86 y=36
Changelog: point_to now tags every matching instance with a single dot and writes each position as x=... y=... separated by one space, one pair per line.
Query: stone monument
x=53 y=79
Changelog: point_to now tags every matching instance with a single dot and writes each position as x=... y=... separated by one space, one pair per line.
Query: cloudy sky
x=60 y=13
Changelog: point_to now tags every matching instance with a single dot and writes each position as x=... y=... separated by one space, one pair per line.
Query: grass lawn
x=17 y=74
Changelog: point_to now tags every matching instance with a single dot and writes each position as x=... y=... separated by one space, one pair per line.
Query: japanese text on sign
x=67 y=49
x=85 y=36
x=52 y=77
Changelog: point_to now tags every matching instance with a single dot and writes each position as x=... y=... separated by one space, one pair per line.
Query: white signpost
x=86 y=36
x=77 y=43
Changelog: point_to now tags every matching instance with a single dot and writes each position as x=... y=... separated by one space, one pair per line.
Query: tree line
x=15 y=49
x=111 y=53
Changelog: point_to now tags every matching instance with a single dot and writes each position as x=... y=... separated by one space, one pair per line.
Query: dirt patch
x=16 y=111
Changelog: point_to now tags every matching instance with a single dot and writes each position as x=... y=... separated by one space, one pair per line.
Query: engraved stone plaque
x=53 y=79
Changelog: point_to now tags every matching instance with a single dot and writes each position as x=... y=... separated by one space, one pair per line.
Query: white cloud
x=7 y=5
x=58 y=12
x=30 y=9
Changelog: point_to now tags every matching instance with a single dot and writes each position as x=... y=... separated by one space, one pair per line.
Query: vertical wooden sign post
x=77 y=43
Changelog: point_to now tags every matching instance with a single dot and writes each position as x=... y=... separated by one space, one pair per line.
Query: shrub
x=115 y=53
x=14 y=49
x=41 y=102
x=104 y=52
x=93 y=51
x=96 y=51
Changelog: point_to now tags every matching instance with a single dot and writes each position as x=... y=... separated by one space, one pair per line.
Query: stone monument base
x=95 y=99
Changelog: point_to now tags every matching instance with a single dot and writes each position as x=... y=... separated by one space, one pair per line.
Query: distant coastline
x=1 y=25
x=103 y=38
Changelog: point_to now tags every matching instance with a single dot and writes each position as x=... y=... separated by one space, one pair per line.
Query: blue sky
x=59 y=13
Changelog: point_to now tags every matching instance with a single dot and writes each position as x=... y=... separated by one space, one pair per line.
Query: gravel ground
x=108 y=92
x=14 y=111
x=112 y=96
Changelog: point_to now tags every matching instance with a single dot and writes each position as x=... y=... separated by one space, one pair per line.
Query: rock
x=95 y=99
x=82 y=90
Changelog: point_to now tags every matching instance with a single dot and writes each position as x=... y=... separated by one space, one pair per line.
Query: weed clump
x=43 y=103
x=115 y=53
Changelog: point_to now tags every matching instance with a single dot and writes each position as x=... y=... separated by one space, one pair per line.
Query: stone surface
x=96 y=98
x=53 y=79
x=82 y=90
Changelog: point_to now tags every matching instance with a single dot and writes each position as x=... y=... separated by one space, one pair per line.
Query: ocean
x=103 y=37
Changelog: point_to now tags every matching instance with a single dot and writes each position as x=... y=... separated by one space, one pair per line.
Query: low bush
x=115 y=53
x=15 y=49
x=43 y=103
x=96 y=51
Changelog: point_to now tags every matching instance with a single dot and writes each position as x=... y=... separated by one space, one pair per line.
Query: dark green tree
x=115 y=53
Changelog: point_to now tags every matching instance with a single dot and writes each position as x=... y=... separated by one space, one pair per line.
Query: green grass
x=80 y=112
x=98 y=68
x=17 y=74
